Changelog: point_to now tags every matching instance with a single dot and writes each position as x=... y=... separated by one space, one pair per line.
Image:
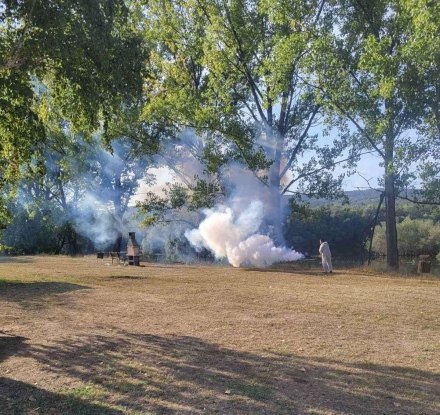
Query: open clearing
x=82 y=336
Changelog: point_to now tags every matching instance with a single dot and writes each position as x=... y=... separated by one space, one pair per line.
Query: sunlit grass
x=80 y=336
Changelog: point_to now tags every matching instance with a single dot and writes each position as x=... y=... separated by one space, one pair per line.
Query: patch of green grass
x=254 y=389
x=129 y=387
x=88 y=392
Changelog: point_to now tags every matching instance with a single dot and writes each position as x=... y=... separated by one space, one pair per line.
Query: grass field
x=83 y=336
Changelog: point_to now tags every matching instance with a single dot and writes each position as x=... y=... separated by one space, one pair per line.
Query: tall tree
x=49 y=193
x=232 y=70
x=89 y=56
x=114 y=181
x=423 y=49
x=362 y=73
x=117 y=169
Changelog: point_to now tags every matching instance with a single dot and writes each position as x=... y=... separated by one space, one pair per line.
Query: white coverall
x=326 y=256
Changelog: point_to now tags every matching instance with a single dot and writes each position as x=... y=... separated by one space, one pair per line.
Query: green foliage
x=155 y=208
x=232 y=71
x=415 y=237
x=346 y=228
x=422 y=49
x=429 y=173
x=178 y=198
x=205 y=194
x=364 y=73
x=72 y=189
x=40 y=227
x=89 y=56
x=21 y=131
x=249 y=77
x=415 y=211
x=176 y=249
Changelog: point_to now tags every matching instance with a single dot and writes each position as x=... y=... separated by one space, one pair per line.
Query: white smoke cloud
x=229 y=230
x=259 y=250
x=234 y=236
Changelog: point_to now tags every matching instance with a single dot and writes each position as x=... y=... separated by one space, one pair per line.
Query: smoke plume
x=234 y=236
x=237 y=229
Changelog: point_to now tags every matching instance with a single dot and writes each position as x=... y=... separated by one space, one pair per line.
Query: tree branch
x=301 y=176
x=373 y=225
x=418 y=202
x=300 y=141
x=15 y=61
x=177 y=220
x=369 y=18
x=351 y=118
x=254 y=89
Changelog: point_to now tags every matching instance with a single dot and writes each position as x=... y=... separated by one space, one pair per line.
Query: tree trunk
x=119 y=213
x=382 y=195
x=274 y=218
x=390 y=196
x=274 y=206
x=391 y=228
x=118 y=242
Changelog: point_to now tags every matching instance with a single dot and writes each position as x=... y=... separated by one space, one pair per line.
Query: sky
x=368 y=167
x=367 y=174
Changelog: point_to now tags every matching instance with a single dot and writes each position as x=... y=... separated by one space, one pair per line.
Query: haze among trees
x=286 y=90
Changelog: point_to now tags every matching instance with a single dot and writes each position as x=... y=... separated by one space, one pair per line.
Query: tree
x=363 y=73
x=232 y=71
x=45 y=207
x=423 y=49
x=114 y=179
x=89 y=56
x=80 y=187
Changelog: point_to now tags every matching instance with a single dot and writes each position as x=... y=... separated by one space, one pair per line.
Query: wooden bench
x=119 y=256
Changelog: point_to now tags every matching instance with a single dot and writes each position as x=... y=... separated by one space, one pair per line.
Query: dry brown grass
x=81 y=336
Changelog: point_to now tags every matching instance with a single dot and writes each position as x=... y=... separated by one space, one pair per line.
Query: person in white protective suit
x=326 y=255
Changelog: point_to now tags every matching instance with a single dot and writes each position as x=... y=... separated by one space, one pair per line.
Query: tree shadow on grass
x=19 y=291
x=16 y=259
x=186 y=375
x=10 y=345
x=19 y=398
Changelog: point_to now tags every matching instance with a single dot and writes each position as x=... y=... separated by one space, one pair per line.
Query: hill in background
x=355 y=197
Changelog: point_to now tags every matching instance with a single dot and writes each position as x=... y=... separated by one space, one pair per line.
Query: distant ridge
x=355 y=197
x=363 y=197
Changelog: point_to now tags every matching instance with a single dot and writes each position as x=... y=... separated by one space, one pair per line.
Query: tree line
x=287 y=90
x=349 y=229
x=40 y=227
